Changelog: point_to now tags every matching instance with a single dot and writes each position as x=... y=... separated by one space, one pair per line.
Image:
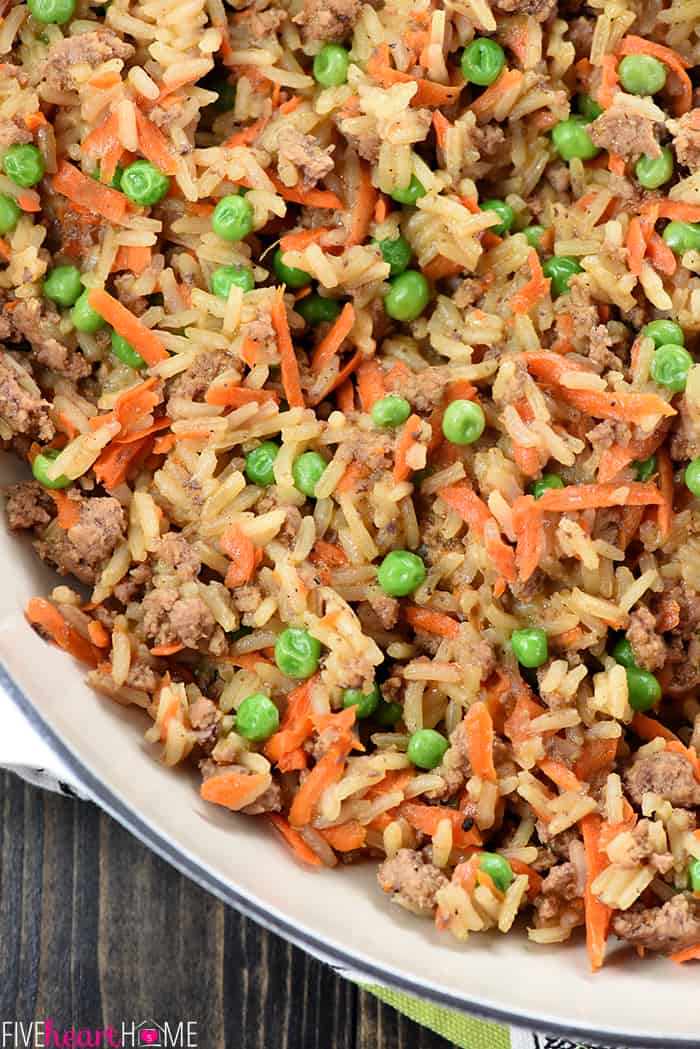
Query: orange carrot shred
x=407 y=442
x=327 y=771
x=143 y=340
x=363 y=207
x=346 y=836
x=288 y=360
x=98 y=635
x=598 y=496
x=475 y=513
x=42 y=614
x=560 y=774
x=167 y=650
x=233 y=790
x=598 y=915
x=154 y=145
x=332 y=342
x=609 y=81
x=479 y=732
x=431 y=622
x=529 y=533
x=535 y=289
x=370 y=383
x=301 y=239
x=68 y=509
x=690 y=954
x=295 y=841
x=683 y=92
x=508 y=80
x=244 y=554
x=85 y=191
x=427 y=94
x=427 y=818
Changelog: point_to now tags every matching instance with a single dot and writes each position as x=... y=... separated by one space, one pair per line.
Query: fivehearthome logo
x=130 y=1034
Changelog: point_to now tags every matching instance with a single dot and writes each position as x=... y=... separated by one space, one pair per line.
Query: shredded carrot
x=564 y=778
x=249 y=351
x=332 y=342
x=154 y=145
x=5 y=249
x=164 y=444
x=637 y=45
x=666 y=486
x=529 y=534
x=103 y=81
x=104 y=143
x=115 y=462
x=42 y=614
x=141 y=338
x=328 y=554
x=440 y=267
x=246 y=135
x=291 y=104
x=427 y=94
x=616 y=164
x=636 y=246
x=431 y=622
x=312 y=198
x=535 y=289
x=426 y=818
x=294 y=840
x=327 y=771
x=534 y=879
x=135 y=403
x=284 y=747
x=474 y=512
x=381 y=208
x=598 y=915
x=346 y=836
x=690 y=954
x=608 y=82
x=68 y=509
x=598 y=496
x=134 y=258
x=167 y=650
x=354 y=473
x=677 y=210
x=517 y=725
x=370 y=383
x=288 y=360
x=527 y=458
x=233 y=790
x=245 y=556
x=596 y=754
x=648 y=728
x=300 y=240
x=441 y=126
x=488 y=99
x=660 y=255
x=345 y=372
x=407 y=442
x=29 y=200
x=234 y=396
x=363 y=207
x=86 y=192
x=479 y=732
x=98 y=635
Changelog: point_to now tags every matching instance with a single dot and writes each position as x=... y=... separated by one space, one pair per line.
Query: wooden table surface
x=95 y=929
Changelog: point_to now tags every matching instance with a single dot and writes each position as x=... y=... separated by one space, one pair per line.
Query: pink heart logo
x=149 y=1037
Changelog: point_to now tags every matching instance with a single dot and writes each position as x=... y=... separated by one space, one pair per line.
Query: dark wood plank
x=95 y=930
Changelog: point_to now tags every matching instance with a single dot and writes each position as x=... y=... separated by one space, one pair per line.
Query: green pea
x=545 y=482
x=682 y=236
x=226 y=277
x=641 y=74
x=400 y=573
x=10 y=213
x=143 y=183
x=307 y=471
x=669 y=367
x=663 y=332
x=24 y=165
x=561 y=269
x=463 y=422
x=41 y=464
x=498 y=869
x=694 y=875
x=233 y=217
x=411 y=193
x=426 y=748
x=645 y=468
x=482 y=61
x=260 y=463
x=643 y=689
x=63 y=285
x=315 y=309
x=692 y=477
x=653 y=172
x=530 y=646
x=57 y=12
x=126 y=352
x=257 y=718
x=366 y=702
x=390 y=411
x=289 y=275
x=84 y=317
x=397 y=252
x=572 y=141
x=588 y=107
x=331 y=66
x=623 y=653
x=505 y=214
x=533 y=235
x=387 y=714
x=408 y=296
x=297 y=653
